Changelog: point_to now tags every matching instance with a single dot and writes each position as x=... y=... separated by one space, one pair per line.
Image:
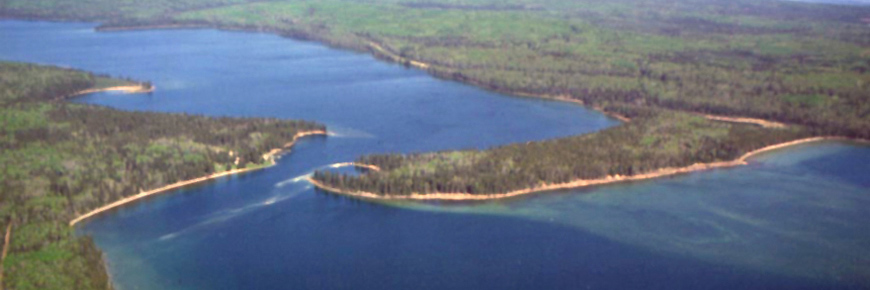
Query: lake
x=793 y=219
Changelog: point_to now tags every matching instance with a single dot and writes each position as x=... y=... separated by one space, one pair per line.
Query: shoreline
x=378 y=51
x=272 y=155
x=568 y=99
x=398 y=58
x=269 y=157
x=745 y=120
x=131 y=89
x=356 y=164
x=662 y=172
x=148 y=27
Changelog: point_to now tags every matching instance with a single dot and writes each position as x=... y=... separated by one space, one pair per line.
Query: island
x=698 y=84
x=64 y=162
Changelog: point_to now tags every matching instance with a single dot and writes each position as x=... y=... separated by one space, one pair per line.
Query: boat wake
x=305 y=176
x=293 y=180
x=339 y=132
x=229 y=214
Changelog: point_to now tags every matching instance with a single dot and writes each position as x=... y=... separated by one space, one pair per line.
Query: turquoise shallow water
x=793 y=219
x=799 y=212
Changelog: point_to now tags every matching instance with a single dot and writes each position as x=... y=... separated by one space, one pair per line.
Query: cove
x=791 y=220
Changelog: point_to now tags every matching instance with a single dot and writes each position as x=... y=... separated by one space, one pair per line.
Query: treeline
x=59 y=160
x=657 y=139
x=30 y=83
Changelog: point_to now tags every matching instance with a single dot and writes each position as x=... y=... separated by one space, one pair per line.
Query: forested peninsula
x=59 y=160
x=676 y=69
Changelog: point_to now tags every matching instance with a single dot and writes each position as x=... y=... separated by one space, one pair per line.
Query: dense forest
x=662 y=63
x=653 y=140
x=58 y=160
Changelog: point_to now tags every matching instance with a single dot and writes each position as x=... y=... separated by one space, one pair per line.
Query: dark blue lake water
x=794 y=219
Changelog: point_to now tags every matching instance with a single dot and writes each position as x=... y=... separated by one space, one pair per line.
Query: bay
x=793 y=219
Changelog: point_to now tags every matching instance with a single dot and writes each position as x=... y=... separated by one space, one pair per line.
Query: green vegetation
x=660 y=62
x=58 y=160
x=652 y=141
x=737 y=58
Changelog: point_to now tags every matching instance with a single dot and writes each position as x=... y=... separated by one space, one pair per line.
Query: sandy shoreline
x=269 y=157
x=759 y=122
x=578 y=183
x=132 y=89
x=411 y=62
x=356 y=164
x=743 y=120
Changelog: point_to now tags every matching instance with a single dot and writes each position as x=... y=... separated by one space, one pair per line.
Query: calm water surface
x=795 y=219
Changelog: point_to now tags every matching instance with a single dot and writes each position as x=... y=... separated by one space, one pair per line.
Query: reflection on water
x=779 y=214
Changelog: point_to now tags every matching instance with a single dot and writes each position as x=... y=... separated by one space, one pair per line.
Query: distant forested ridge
x=58 y=160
